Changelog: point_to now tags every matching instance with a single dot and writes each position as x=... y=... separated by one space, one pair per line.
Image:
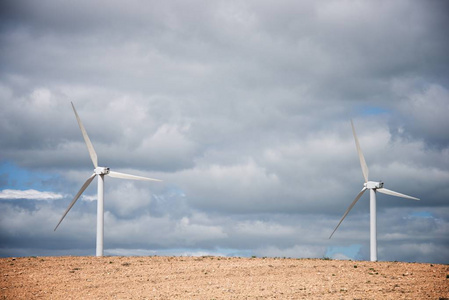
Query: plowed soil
x=218 y=278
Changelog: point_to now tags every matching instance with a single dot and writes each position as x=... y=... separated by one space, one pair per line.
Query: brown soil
x=218 y=278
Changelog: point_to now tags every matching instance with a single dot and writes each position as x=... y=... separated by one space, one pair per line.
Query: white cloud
x=29 y=194
x=89 y=197
x=341 y=256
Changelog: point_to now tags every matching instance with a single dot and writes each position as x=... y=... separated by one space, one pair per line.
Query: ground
x=210 y=277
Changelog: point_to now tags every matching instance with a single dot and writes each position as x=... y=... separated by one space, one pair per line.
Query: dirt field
x=218 y=278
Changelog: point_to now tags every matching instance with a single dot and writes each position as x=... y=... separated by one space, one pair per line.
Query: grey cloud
x=423 y=116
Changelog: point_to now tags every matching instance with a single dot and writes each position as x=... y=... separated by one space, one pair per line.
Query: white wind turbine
x=101 y=172
x=372 y=186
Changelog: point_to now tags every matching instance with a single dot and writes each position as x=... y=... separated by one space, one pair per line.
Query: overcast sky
x=243 y=109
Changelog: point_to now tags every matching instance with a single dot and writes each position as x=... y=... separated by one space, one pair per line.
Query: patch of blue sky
x=373 y=110
x=175 y=191
x=17 y=178
x=350 y=251
x=422 y=214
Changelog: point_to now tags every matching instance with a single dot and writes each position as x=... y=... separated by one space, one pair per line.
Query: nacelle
x=101 y=170
x=373 y=185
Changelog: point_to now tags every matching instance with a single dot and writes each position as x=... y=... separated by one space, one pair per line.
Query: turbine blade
x=133 y=177
x=85 y=185
x=90 y=147
x=359 y=151
x=393 y=193
x=349 y=208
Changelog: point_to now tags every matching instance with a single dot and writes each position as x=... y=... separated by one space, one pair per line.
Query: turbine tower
x=373 y=187
x=101 y=172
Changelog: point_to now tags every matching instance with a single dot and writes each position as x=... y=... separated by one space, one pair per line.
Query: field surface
x=218 y=278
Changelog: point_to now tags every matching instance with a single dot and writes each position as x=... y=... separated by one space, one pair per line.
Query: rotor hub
x=101 y=170
x=373 y=185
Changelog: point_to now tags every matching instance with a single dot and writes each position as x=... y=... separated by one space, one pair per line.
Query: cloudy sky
x=243 y=109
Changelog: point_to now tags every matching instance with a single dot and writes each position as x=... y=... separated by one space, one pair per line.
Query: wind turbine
x=373 y=187
x=101 y=172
